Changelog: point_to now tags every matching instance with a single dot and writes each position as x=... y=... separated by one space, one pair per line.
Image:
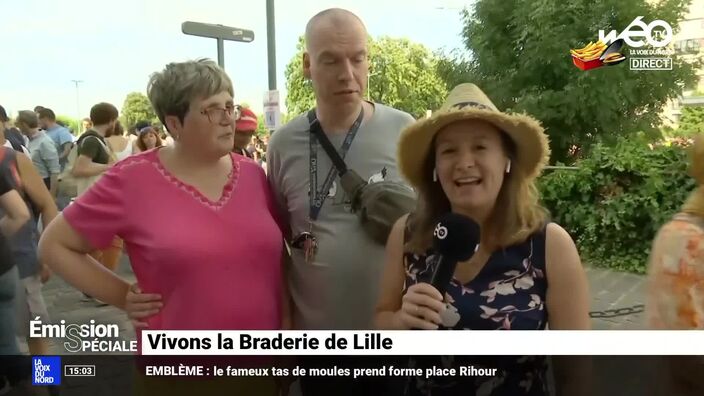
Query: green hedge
x=615 y=203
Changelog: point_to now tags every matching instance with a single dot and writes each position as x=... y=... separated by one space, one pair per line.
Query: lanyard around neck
x=317 y=196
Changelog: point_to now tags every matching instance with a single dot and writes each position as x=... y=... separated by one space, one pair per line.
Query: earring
x=435 y=175
x=508 y=166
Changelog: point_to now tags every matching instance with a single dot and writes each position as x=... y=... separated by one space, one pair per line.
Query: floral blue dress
x=508 y=293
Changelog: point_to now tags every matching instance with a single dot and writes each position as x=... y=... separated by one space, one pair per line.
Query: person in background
x=245 y=128
x=118 y=143
x=36 y=111
x=132 y=135
x=257 y=149
x=264 y=147
x=25 y=179
x=473 y=160
x=166 y=139
x=135 y=131
x=30 y=304
x=60 y=135
x=251 y=147
x=229 y=255
x=13 y=215
x=42 y=149
x=94 y=158
x=86 y=124
x=676 y=262
x=34 y=187
x=675 y=292
x=159 y=129
x=12 y=137
x=148 y=139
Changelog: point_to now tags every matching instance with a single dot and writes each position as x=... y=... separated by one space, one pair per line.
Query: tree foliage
x=614 y=204
x=518 y=52
x=261 y=127
x=71 y=123
x=692 y=120
x=137 y=108
x=401 y=75
x=299 y=91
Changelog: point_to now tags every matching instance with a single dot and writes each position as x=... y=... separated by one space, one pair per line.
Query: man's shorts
x=30 y=304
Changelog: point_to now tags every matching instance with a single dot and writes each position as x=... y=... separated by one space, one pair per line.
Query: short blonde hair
x=172 y=90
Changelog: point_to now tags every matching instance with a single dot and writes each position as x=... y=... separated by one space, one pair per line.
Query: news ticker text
x=300 y=371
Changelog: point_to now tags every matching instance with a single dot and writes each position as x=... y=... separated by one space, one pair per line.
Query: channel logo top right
x=648 y=45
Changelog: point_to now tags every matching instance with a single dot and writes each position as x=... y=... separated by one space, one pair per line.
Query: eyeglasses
x=216 y=114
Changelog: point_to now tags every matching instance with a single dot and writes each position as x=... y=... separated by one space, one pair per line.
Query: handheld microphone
x=455 y=239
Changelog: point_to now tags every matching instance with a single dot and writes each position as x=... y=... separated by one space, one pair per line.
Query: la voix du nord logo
x=46 y=370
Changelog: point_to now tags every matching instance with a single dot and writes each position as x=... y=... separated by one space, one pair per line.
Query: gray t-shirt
x=44 y=155
x=339 y=289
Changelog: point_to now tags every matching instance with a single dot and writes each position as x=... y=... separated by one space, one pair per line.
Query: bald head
x=330 y=19
x=335 y=59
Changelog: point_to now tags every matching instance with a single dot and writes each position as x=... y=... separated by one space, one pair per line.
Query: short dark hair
x=119 y=130
x=103 y=113
x=142 y=124
x=37 y=108
x=28 y=118
x=47 y=113
x=3 y=115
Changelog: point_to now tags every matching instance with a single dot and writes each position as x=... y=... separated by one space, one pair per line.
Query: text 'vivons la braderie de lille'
x=367 y=341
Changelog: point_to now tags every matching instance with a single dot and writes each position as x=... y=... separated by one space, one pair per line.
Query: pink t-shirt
x=217 y=265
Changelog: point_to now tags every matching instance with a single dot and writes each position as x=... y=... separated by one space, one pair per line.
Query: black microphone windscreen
x=456 y=237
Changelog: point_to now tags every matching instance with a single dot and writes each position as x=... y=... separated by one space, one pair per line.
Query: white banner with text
x=460 y=343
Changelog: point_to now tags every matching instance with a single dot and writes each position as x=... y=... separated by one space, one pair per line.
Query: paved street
x=609 y=290
x=65 y=302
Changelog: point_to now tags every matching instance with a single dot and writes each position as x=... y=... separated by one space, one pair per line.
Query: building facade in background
x=689 y=42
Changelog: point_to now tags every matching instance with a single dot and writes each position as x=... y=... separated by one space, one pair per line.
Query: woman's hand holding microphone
x=421 y=307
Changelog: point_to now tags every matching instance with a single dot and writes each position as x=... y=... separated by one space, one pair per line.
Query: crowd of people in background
x=48 y=167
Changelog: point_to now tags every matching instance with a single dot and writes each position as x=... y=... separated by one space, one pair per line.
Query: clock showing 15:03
x=79 y=370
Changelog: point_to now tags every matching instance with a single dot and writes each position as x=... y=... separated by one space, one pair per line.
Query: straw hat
x=468 y=102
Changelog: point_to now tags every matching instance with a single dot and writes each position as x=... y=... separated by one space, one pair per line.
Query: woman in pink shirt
x=198 y=222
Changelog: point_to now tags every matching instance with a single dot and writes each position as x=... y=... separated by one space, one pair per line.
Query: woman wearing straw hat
x=471 y=159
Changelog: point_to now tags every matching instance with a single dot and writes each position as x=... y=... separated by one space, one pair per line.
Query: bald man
x=336 y=287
